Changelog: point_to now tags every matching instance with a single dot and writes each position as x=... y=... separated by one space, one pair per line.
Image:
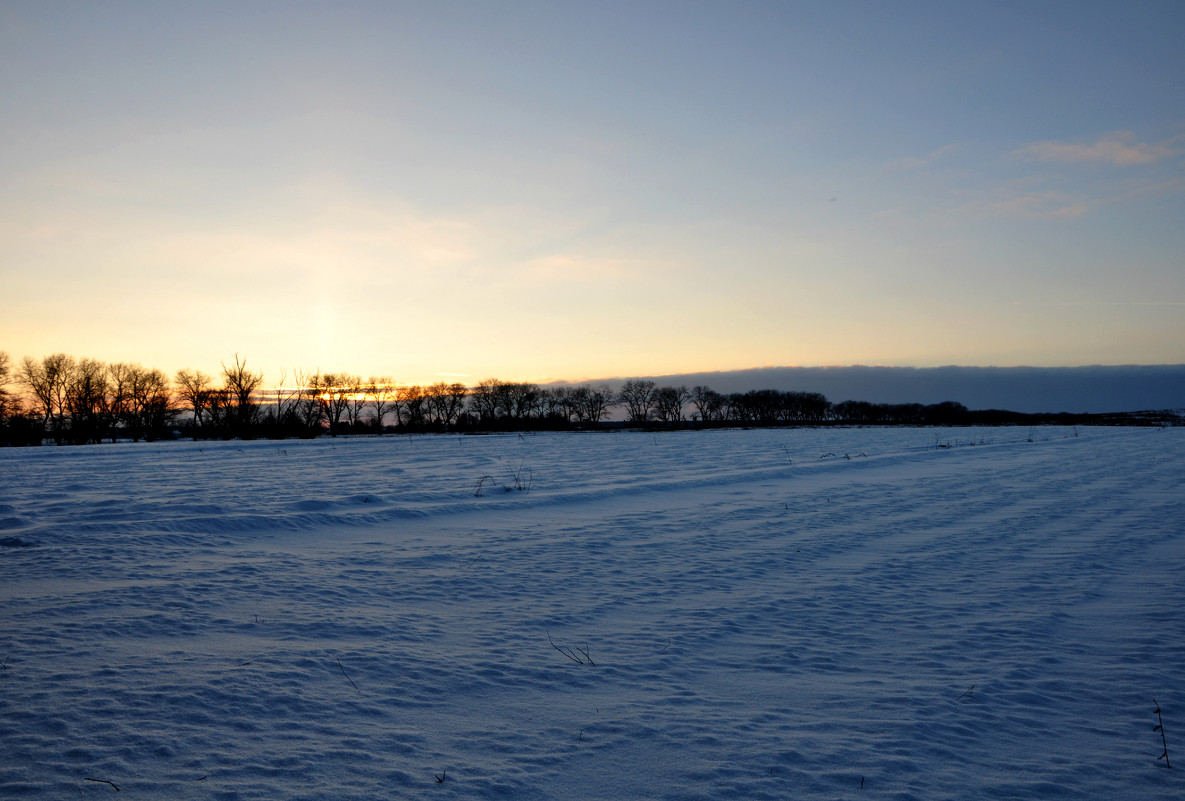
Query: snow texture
x=805 y=614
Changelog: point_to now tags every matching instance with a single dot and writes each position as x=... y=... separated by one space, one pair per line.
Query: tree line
x=79 y=401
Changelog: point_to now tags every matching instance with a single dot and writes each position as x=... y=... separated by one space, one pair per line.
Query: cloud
x=1171 y=186
x=1119 y=149
x=1032 y=205
x=1118 y=388
x=909 y=163
x=1033 y=197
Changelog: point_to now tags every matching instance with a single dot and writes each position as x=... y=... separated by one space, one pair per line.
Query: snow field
x=830 y=613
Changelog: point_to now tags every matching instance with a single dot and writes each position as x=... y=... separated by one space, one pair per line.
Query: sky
x=570 y=191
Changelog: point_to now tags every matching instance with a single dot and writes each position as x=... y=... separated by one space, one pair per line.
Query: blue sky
x=568 y=191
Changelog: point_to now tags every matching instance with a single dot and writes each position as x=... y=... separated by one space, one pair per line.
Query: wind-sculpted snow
x=831 y=613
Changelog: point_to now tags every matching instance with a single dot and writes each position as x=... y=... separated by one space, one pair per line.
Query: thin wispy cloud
x=1119 y=149
x=1058 y=196
x=909 y=163
x=1159 y=189
x=1031 y=205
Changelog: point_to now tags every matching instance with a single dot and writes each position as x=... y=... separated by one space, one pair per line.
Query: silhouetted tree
x=945 y=413
x=333 y=397
x=355 y=398
x=900 y=413
x=853 y=411
x=637 y=396
x=765 y=406
x=47 y=380
x=446 y=403
x=708 y=403
x=86 y=400
x=286 y=400
x=668 y=403
x=410 y=407
x=813 y=406
x=220 y=412
x=521 y=399
x=194 y=387
x=8 y=404
x=240 y=383
x=297 y=407
x=6 y=401
x=593 y=403
x=740 y=410
x=381 y=391
x=16 y=426
x=149 y=405
x=119 y=380
x=559 y=404
x=484 y=400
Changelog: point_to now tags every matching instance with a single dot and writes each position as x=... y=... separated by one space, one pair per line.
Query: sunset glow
x=454 y=191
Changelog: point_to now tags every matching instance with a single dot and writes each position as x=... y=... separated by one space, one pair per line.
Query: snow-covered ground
x=835 y=613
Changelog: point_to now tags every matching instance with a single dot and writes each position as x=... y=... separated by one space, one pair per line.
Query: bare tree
x=332 y=392
x=86 y=400
x=597 y=402
x=668 y=403
x=149 y=407
x=446 y=402
x=815 y=406
x=221 y=411
x=6 y=404
x=286 y=398
x=410 y=405
x=381 y=391
x=484 y=400
x=315 y=385
x=193 y=387
x=434 y=404
x=559 y=403
x=240 y=383
x=521 y=399
x=119 y=380
x=459 y=397
x=295 y=403
x=708 y=403
x=59 y=367
x=307 y=409
x=355 y=400
x=735 y=410
x=637 y=396
x=47 y=380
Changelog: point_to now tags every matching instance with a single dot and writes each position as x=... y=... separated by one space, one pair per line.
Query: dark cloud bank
x=1127 y=388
